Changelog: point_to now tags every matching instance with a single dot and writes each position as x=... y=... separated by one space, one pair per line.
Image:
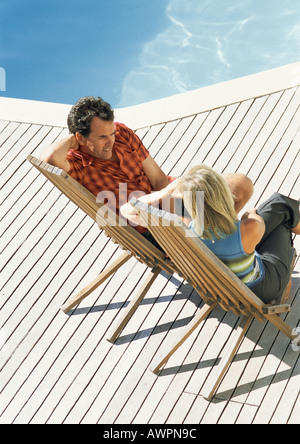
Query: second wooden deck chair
x=128 y=238
x=214 y=282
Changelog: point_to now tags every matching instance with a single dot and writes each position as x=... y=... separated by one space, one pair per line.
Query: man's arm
x=156 y=176
x=56 y=154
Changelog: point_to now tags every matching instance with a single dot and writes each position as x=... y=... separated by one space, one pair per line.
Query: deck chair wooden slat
x=128 y=238
x=213 y=279
x=205 y=262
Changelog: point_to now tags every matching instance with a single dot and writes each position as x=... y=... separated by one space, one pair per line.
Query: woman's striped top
x=229 y=249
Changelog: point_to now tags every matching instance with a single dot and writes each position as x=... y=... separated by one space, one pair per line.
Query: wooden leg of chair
x=219 y=372
x=282 y=326
x=116 y=329
x=76 y=299
x=198 y=318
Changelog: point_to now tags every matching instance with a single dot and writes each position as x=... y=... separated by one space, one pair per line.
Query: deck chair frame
x=128 y=238
x=215 y=283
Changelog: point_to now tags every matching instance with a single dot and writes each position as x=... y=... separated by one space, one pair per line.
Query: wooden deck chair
x=128 y=238
x=215 y=283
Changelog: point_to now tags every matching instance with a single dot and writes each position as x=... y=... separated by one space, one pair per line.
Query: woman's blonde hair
x=219 y=215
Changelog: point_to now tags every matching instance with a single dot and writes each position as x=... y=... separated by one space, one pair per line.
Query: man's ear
x=80 y=139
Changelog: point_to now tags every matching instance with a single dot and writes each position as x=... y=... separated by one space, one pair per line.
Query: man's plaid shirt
x=99 y=175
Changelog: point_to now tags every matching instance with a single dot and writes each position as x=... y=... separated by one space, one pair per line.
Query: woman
x=258 y=248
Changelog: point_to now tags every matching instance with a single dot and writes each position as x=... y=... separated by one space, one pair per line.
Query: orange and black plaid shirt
x=123 y=178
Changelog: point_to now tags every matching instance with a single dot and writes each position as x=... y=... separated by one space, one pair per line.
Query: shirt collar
x=85 y=158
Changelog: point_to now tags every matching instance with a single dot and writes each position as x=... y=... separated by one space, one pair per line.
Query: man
x=107 y=157
x=102 y=155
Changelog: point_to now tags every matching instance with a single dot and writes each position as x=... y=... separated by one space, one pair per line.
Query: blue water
x=134 y=51
x=211 y=41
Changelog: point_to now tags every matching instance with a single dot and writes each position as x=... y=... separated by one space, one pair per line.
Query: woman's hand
x=131 y=214
x=249 y=214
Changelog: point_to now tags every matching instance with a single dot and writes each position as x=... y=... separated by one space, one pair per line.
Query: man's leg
x=241 y=188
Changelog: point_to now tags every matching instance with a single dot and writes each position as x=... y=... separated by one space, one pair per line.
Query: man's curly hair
x=84 y=110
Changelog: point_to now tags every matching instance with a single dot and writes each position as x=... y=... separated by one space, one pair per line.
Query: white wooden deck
x=58 y=368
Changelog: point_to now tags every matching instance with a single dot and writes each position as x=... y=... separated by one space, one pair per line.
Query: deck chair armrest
x=276 y=309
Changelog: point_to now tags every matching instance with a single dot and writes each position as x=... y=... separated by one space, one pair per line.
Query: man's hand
x=249 y=214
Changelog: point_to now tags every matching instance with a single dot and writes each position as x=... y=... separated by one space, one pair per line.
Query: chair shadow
x=185 y=292
x=266 y=381
x=239 y=389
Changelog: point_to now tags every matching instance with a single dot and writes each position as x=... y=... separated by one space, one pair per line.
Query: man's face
x=101 y=139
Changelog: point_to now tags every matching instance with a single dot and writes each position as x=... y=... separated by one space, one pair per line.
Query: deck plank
x=58 y=368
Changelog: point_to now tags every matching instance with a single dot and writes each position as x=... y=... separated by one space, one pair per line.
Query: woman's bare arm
x=252 y=230
x=131 y=213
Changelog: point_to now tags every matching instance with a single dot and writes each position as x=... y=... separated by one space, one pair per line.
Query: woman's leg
x=296 y=229
x=281 y=215
x=279 y=210
x=277 y=255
